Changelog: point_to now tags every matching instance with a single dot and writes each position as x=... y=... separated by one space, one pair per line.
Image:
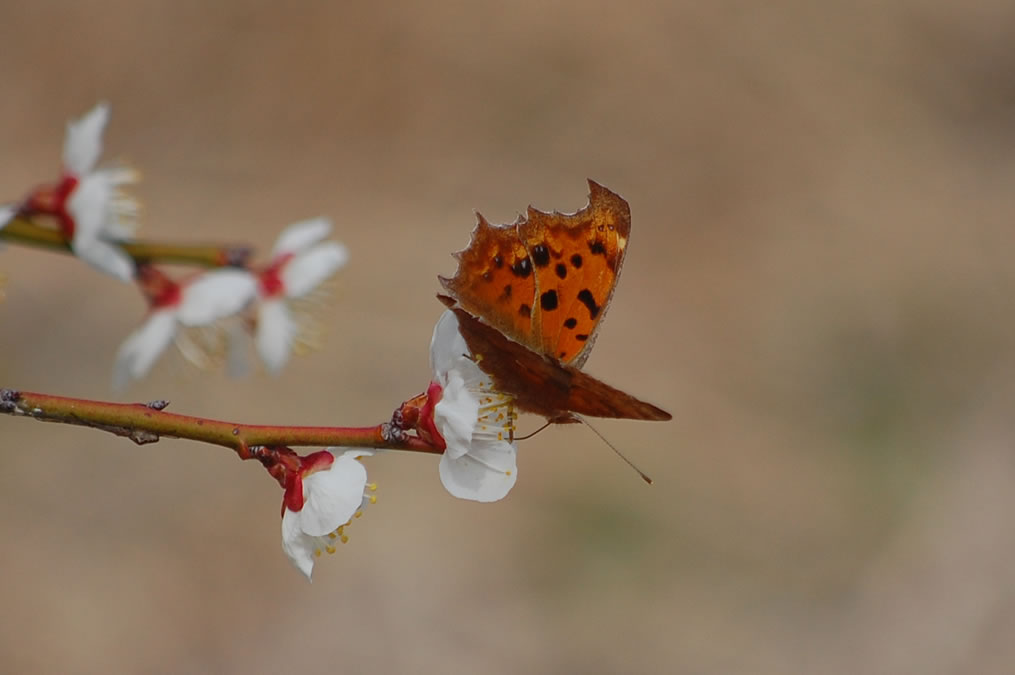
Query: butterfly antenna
x=528 y=436
x=644 y=476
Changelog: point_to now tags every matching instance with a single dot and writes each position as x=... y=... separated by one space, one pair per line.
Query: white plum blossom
x=300 y=262
x=201 y=301
x=92 y=211
x=7 y=213
x=475 y=421
x=321 y=498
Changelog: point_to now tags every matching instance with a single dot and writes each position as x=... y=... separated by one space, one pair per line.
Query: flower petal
x=99 y=209
x=332 y=496
x=300 y=236
x=83 y=143
x=7 y=214
x=215 y=295
x=142 y=347
x=89 y=207
x=308 y=269
x=447 y=346
x=456 y=415
x=275 y=330
x=105 y=257
x=485 y=474
x=297 y=545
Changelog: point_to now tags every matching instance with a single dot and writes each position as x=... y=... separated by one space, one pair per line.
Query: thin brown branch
x=147 y=423
x=22 y=230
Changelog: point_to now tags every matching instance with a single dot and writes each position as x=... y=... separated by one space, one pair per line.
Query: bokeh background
x=818 y=287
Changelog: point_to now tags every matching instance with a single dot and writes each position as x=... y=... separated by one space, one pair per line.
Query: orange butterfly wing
x=530 y=296
x=546 y=280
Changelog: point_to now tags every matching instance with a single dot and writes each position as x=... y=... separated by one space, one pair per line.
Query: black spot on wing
x=525 y=310
x=548 y=301
x=576 y=260
x=596 y=248
x=540 y=255
x=581 y=337
x=522 y=268
x=561 y=270
x=498 y=262
x=585 y=297
x=571 y=322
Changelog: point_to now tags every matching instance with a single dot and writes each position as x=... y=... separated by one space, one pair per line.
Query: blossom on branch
x=324 y=491
x=200 y=301
x=473 y=420
x=300 y=263
x=92 y=212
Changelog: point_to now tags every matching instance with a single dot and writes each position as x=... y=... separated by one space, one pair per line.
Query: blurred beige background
x=818 y=288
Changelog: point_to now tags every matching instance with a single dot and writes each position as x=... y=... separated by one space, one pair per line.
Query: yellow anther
x=340 y=529
x=500 y=436
x=317 y=552
x=330 y=549
x=357 y=514
x=372 y=487
x=373 y=499
x=332 y=535
x=507 y=473
x=345 y=539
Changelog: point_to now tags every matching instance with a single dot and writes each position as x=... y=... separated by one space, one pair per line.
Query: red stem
x=146 y=423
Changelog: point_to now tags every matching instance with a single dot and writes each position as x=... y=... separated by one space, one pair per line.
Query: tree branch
x=22 y=230
x=147 y=423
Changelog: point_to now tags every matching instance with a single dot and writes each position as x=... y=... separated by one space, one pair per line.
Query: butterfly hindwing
x=542 y=385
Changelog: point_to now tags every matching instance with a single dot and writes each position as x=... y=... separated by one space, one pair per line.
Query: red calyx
x=270 y=277
x=158 y=289
x=416 y=414
x=293 y=498
x=52 y=200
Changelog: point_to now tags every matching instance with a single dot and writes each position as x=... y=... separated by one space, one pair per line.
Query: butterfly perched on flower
x=529 y=297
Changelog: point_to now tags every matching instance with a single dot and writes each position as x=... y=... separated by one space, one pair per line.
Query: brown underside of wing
x=540 y=385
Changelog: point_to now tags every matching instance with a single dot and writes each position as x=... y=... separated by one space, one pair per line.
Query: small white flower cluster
x=273 y=302
x=268 y=301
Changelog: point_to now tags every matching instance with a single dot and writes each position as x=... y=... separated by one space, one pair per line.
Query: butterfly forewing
x=495 y=280
x=576 y=260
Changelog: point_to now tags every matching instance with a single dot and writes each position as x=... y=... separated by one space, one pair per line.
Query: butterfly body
x=529 y=297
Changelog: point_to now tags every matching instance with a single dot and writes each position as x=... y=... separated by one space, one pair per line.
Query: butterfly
x=529 y=297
